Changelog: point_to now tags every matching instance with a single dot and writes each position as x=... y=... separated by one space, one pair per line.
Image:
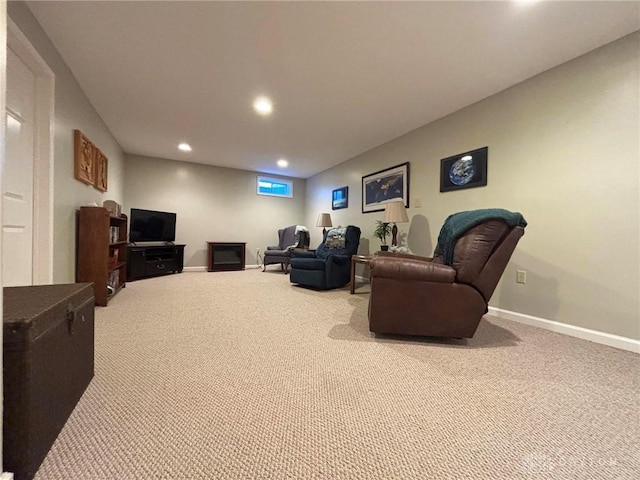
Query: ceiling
x=344 y=77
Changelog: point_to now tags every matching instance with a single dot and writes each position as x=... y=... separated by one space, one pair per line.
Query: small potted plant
x=381 y=231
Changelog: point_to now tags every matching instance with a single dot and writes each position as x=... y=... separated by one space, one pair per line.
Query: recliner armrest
x=339 y=259
x=419 y=269
x=402 y=255
x=302 y=254
x=273 y=247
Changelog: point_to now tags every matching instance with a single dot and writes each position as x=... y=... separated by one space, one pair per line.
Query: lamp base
x=394 y=232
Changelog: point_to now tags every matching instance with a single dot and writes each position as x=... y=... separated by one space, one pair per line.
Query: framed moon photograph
x=465 y=170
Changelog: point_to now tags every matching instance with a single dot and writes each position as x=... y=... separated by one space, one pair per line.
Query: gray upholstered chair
x=288 y=240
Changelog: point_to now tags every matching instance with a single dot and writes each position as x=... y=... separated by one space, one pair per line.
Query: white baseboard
x=615 y=341
x=204 y=269
x=193 y=269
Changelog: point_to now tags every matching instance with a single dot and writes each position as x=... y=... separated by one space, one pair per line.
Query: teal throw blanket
x=457 y=224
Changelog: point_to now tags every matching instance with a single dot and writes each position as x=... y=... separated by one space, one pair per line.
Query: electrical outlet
x=521 y=276
x=417 y=202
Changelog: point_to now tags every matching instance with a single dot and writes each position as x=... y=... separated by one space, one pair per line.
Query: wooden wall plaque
x=90 y=165
x=84 y=153
x=101 y=164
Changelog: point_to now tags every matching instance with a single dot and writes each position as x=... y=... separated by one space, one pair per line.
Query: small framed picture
x=465 y=170
x=340 y=198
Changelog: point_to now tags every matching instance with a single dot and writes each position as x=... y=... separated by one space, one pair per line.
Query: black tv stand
x=144 y=261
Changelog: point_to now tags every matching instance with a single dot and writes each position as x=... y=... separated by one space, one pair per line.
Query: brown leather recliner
x=413 y=295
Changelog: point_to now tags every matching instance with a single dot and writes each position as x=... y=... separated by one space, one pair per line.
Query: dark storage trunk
x=47 y=365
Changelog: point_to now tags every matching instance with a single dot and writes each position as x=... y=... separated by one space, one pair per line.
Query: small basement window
x=275 y=187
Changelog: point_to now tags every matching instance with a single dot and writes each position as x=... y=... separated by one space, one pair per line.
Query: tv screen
x=152 y=226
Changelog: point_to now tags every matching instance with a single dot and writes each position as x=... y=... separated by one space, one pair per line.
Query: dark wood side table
x=355 y=259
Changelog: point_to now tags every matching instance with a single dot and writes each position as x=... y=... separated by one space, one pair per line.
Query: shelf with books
x=101 y=251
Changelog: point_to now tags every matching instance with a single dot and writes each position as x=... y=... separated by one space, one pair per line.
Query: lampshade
x=395 y=212
x=324 y=220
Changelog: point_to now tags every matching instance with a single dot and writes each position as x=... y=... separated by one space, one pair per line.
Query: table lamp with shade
x=324 y=220
x=395 y=213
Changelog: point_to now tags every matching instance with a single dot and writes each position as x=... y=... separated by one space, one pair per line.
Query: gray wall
x=212 y=204
x=72 y=111
x=564 y=151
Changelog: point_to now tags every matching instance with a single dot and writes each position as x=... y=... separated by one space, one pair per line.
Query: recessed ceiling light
x=263 y=106
x=185 y=147
x=282 y=163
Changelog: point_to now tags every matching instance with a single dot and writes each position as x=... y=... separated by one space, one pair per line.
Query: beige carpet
x=240 y=375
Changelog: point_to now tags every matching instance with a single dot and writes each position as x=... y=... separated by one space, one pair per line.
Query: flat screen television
x=152 y=226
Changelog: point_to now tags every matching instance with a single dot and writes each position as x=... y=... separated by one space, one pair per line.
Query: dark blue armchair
x=330 y=265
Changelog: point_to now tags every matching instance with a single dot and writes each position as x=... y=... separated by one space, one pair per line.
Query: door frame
x=42 y=155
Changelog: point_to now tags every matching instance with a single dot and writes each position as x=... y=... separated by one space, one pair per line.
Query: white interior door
x=26 y=186
x=18 y=177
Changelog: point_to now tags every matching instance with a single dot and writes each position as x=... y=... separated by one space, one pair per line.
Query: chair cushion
x=278 y=253
x=287 y=237
x=351 y=240
x=336 y=238
x=457 y=224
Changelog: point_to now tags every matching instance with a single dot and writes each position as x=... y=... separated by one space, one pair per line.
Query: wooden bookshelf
x=101 y=251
